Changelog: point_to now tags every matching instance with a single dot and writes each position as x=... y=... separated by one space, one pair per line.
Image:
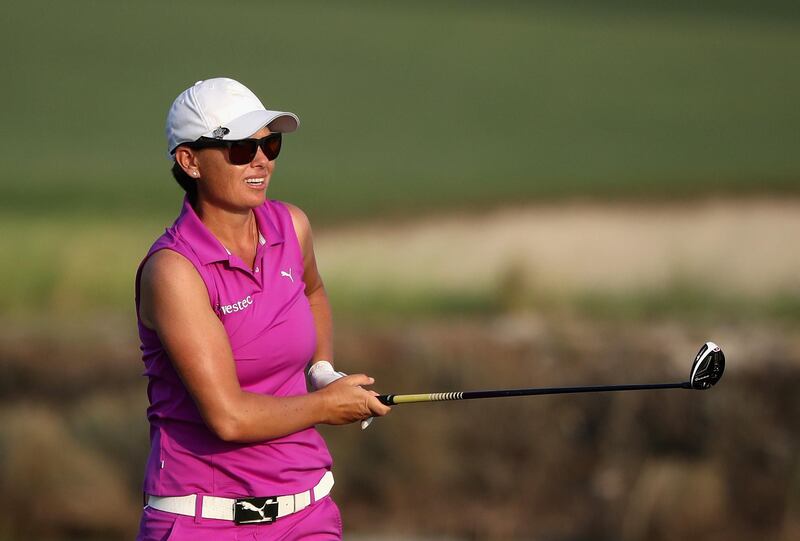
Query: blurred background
x=504 y=194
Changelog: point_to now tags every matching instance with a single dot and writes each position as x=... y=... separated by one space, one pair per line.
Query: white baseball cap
x=221 y=108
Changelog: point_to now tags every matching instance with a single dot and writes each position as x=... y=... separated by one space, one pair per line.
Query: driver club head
x=708 y=367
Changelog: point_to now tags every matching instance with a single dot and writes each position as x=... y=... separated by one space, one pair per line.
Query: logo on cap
x=220 y=132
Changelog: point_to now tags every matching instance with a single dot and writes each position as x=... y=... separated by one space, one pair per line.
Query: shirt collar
x=207 y=247
x=266 y=219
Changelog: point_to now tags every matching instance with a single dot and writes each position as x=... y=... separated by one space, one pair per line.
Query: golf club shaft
x=393 y=399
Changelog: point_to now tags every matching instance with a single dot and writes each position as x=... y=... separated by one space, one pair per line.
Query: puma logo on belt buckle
x=255 y=510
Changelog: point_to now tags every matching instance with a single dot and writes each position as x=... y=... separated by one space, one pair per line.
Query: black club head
x=708 y=367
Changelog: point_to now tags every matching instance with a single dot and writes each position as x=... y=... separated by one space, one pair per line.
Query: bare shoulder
x=167 y=267
x=302 y=225
x=302 y=228
x=169 y=282
x=168 y=273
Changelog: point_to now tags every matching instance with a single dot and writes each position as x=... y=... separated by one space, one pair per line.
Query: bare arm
x=317 y=297
x=315 y=289
x=174 y=303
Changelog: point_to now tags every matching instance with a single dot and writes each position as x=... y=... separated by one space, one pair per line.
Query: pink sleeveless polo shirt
x=271 y=331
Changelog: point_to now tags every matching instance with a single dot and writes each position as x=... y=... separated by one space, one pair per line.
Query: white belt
x=223 y=508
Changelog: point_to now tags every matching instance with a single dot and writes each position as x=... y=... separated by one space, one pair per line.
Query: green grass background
x=406 y=109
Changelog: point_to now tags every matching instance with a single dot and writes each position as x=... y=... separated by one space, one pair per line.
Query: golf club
x=706 y=371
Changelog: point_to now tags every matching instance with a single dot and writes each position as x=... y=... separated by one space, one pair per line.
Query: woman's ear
x=188 y=161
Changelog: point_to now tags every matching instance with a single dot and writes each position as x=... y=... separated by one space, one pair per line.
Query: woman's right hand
x=346 y=401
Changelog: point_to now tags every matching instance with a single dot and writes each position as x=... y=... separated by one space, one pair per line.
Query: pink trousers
x=321 y=520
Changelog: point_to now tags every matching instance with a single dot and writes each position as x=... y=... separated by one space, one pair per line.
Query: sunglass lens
x=242 y=152
x=271 y=145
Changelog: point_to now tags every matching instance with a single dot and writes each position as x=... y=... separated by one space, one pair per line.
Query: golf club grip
x=394 y=399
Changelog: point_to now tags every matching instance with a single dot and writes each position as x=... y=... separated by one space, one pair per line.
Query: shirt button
x=256 y=269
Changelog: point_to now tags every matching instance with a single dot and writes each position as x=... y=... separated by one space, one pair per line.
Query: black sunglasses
x=243 y=151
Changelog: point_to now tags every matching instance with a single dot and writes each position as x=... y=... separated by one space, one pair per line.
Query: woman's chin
x=256 y=196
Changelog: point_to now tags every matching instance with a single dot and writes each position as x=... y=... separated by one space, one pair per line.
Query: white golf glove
x=321 y=374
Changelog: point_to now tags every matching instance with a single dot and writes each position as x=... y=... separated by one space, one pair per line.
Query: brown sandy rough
x=51 y=485
x=741 y=246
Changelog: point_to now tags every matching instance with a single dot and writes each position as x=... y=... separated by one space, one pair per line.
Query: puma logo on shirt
x=288 y=274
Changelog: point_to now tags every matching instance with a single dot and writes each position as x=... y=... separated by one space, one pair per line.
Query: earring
x=195 y=173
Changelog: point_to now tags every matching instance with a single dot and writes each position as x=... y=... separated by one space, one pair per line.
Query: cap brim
x=246 y=125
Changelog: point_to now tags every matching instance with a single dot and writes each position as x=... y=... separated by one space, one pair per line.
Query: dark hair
x=186 y=182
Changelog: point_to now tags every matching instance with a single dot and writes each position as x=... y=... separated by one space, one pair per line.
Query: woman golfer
x=231 y=311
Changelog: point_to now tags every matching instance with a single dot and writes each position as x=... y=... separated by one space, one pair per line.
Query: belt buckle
x=255 y=510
